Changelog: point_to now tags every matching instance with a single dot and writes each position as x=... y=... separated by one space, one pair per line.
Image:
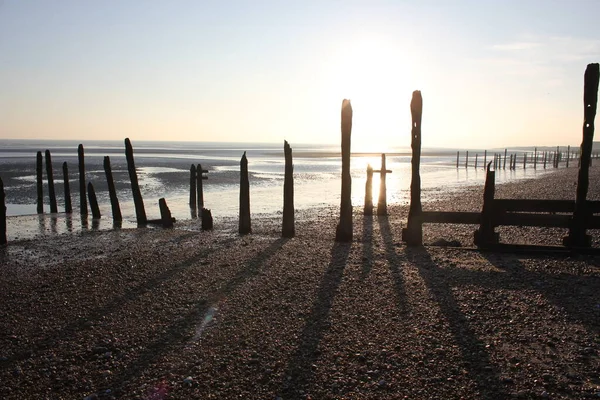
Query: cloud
x=516 y=46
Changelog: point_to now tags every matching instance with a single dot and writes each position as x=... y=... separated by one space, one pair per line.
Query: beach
x=146 y=313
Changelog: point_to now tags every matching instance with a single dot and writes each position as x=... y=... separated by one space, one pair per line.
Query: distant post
x=93 y=202
x=369 y=192
x=50 y=176
x=457 y=158
x=193 y=187
x=577 y=230
x=413 y=233
x=524 y=160
x=535 y=157
x=467 y=159
x=382 y=202
x=68 y=206
x=504 y=165
x=40 y=183
x=140 y=211
x=545 y=158
x=476 y=155
x=112 y=192
x=82 y=196
x=568 y=155
x=344 y=229
x=3 y=239
x=484 y=158
x=288 y=229
x=244 y=224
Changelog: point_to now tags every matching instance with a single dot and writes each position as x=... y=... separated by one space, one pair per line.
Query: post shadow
x=394 y=262
x=299 y=367
x=367 y=246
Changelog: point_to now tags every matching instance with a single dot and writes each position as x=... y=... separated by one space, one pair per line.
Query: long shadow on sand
x=317 y=323
x=367 y=246
x=476 y=361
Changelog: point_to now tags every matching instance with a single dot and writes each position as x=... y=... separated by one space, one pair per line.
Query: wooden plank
x=533 y=205
x=527 y=219
x=450 y=217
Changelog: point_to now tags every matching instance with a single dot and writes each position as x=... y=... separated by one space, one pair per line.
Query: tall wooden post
x=112 y=192
x=93 y=201
x=82 y=194
x=244 y=225
x=193 y=187
x=504 y=165
x=413 y=233
x=369 y=192
x=288 y=229
x=568 y=155
x=3 y=239
x=200 y=186
x=344 y=229
x=50 y=177
x=140 y=211
x=67 y=186
x=577 y=230
x=40 y=184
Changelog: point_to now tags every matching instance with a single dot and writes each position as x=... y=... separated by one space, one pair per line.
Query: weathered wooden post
x=568 y=155
x=67 y=186
x=50 y=177
x=382 y=202
x=467 y=159
x=484 y=158
x=82 y=196
x=510 y=164
x=193 y=187
x=200 y=186
x=3 y=239
x=413 y=233
x=140 y=211
x=112 y=192
x=165 y=213
x=344 y=229
x=557 y=156
x=457 y=158
x=485 y=235
x=288 y=229
x=504 y=165
x=40 y=183
x=577 y=230
x=535 y=157
x=207 y=220
x=476 y=155
x=93 y=201
x=369 y=192
x=545 y=158
x=244 y=224
x=524 y=160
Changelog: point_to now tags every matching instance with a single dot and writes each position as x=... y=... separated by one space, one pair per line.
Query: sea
x=163 y=170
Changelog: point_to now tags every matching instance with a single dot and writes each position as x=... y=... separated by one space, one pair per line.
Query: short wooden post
x=193 y=187
x=288 y=229
x=476 y=155
x=504 y=165
x=485 y=235
x=93 y=201
x=244 y=223
x=200 y=186
x=50 y=177
x=568 y=155
x=457 y=158
x=40 y=183
x=82 y=195
x=112 y=192
x=413 y=233
x=140 y=211
x=577 y=229
x=207 y=220
x=165 y=213
x=382 y=202
x=369 y=192
x=344 y=229
x=67 y=186
x=3 y=239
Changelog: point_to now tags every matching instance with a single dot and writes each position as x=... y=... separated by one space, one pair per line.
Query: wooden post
x=568 y=155
x=510 y=164
x=93 y=201
x=524 y=160
x=244 y=224
x=457 y=158
x=50 y=177
x=535 y=157
x=413 y=233
x=288 y=229
x=504 y=165
x=476 y=155
x=140 y=211
x=40 y=184
x=114 y=201
x=82 y=196
x=545 y=158
x=484 y=158
x=207 y=220
x=485 y=235
x=557 y=156
x=382 y=202
x=165 y=213
x=369 y=192
x=193 y=187
x=577 y=230
x=3 y=239
x=344 y=229
x=200 y=186
x=68 y=206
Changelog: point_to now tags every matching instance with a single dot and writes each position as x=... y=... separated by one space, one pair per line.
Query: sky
x=492 y=73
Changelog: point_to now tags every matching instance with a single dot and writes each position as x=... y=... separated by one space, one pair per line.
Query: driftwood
x=577 y=230
x=382 y=202
x=413 y=233
x=140 y=211
x=82 y=195
x=67 y=186
x=193 y=187
x=50 y=177
x=368 y=210
x=344 y=229
x=93 y=201
x=207 y=220
x=288 y=228
x=3 y=239
x=165 y=213
x=39 y=182
x=244 y=223
x=112 y=192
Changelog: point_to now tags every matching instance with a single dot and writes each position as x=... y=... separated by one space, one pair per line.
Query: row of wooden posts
x=534 y=158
